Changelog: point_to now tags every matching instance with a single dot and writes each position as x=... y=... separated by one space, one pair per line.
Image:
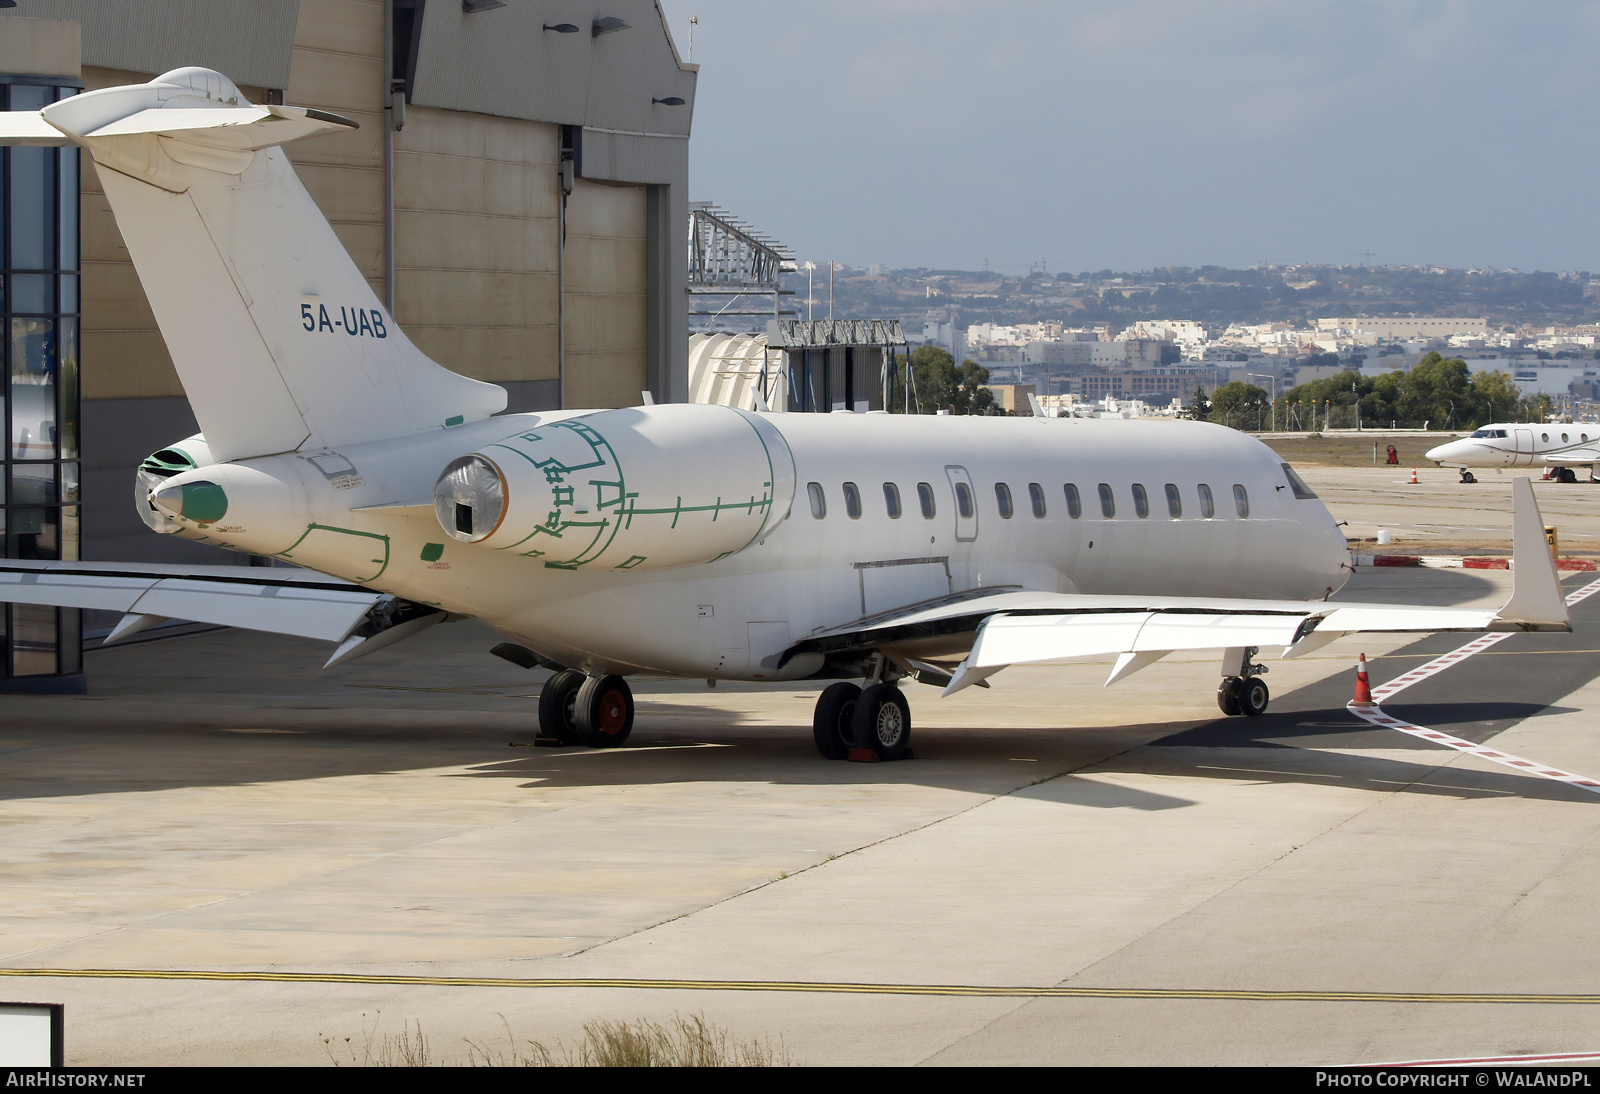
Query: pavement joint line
x=821 y=987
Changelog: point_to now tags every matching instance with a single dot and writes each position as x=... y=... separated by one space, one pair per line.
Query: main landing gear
x=591 y=710
x=1243 y=693
x=860 y=724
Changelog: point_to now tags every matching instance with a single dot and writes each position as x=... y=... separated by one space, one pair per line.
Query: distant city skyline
x=932 y=133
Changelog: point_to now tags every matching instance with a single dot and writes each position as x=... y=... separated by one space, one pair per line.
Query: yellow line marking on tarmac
x=823 y=987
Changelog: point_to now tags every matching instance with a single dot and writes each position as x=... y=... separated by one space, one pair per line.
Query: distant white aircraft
x=1518 y=444
x=700 y=541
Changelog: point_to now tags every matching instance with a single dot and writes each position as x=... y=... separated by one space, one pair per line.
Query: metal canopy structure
x=730 y=258
x=843 y=364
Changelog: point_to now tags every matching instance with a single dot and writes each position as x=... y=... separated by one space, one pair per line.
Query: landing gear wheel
x=603 y=711
x=1253 y=696
x=830 y=725
x=883 y=722
x=555 y=706
x=1568 y=475
x=1228 y=696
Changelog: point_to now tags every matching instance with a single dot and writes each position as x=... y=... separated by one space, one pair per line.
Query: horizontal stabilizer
x=27 y=128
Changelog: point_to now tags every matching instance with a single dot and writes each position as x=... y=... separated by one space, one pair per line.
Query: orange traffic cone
x=1414 y=481
x=1363 y=695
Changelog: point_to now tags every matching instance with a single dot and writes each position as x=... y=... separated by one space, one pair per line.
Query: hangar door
x=603 y=297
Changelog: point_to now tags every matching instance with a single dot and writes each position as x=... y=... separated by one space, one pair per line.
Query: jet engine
x=175 y=459
x=643 y=488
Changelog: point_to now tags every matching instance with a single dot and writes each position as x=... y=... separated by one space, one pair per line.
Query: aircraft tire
x=883 y=722
x=1568 y=475
x=603 y=711
x=831 y=724
x=1253 y=696
x=556 y=700
x=1228 y=696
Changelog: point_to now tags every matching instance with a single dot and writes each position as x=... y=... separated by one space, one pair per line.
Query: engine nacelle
x=643 y=488
x=156 y=468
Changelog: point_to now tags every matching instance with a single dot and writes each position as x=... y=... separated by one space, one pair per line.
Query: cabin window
x=819 y=506
x=1036 y=498
x=852 y=501
x=1002 y=498
x=1208 y=508
x=891 y=500
x=1108 y=504
x=1174 y=501
x=1583 y=437
x=1544 y=436
x=1563 y=438
x=1074 y=503
x=1297 y=484
x=925 y=496
x=964 y=500
x=1141 y=500
x=1241 y=501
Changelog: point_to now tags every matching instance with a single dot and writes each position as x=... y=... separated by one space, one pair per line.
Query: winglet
x=1535 y=587
x=1033 y=405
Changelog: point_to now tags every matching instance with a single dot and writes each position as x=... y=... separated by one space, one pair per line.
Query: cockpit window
x=1490 y=433
x=1297 y=484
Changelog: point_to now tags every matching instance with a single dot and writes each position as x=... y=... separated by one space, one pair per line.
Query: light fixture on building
x=472 y=7
x=670 y=100
x=562 y=28
x=607 y=24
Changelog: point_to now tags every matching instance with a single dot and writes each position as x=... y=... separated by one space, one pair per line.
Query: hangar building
x=516 y=194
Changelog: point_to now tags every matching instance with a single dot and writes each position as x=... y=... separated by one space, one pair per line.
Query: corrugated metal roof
x=797 y=333
x=504 y=62
x=249 y=41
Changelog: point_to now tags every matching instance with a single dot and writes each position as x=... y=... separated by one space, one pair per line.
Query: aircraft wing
x=1577 y=456
x=1011 y=627
x=274 y=599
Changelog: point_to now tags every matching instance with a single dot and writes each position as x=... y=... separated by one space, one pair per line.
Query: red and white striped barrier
x=1373 y=713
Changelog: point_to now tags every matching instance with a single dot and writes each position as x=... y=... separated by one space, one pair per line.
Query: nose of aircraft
x=1444 y=453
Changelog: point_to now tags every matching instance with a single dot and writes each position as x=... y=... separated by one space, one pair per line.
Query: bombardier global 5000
x=693 y=540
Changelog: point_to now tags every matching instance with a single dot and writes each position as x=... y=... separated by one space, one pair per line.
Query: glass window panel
x=69 y=293
x=69 y=482
x=71 y=516
x=34 y=534
x=1074 y=503
x=31 y=293
x=1036 y=498
x=819 y=506
x=925 y=497
x=852 y=501
x=33 y=389
x=963 y=500
x=67 y=371
x=1002 y=498
x=33 y=484
x=1108 y=503
x=891 y=500
x=1241 y=501
x=33 y=640
x=1141 y=501
x=68 y=171
x=33 y=211
x=31 y=96
x=1208 y=508
x=1174 y=501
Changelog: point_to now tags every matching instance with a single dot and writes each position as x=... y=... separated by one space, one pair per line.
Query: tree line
x=1441 y=393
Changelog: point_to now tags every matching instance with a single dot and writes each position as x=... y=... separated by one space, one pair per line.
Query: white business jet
x=1560 y=447
x=699 y=541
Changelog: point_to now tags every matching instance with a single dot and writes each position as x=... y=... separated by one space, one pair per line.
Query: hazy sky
x=1139 y=133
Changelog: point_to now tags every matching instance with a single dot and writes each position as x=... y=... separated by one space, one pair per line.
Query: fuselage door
x=1524 y=445
x=966 y=503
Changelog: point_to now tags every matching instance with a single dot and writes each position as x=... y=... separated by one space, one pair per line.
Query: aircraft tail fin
x=277 y=337
x=1536 y=586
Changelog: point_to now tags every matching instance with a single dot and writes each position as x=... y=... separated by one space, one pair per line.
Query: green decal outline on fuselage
x=381 y=563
